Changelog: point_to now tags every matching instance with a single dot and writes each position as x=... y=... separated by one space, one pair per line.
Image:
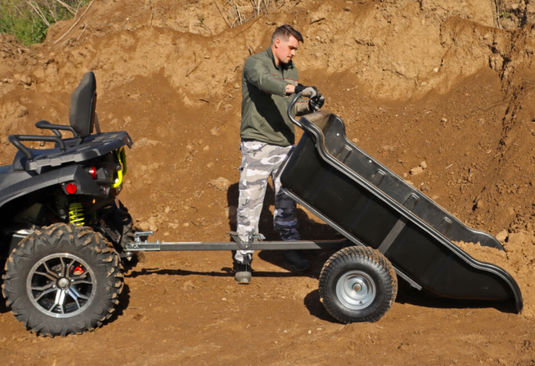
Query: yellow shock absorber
x=121 y=156
x=76 y=214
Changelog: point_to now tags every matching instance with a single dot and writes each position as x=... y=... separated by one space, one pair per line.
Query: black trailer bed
x=372 y=206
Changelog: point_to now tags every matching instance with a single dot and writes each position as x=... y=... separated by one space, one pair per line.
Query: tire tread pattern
x=81 y=241
x=349 y=256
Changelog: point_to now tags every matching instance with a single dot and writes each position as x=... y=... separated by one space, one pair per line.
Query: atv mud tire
x=358 y=284
x=62 y=280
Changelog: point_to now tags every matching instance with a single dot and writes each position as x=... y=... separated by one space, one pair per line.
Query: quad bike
x=63 y=229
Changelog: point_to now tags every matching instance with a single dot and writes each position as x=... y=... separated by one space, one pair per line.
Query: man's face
x=284 y=51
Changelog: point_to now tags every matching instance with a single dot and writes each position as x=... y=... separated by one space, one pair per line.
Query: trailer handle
x=292 y=103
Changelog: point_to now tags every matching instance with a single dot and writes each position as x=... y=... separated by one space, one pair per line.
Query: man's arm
x=258 y=74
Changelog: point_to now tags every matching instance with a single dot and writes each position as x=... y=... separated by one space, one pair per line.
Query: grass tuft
x=29 y=20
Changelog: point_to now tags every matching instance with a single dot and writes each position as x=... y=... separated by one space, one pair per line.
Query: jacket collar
x=289 y=65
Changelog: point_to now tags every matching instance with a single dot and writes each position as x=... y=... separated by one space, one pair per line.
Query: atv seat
x=82 y=119
x=83 y=103
x=82 y=116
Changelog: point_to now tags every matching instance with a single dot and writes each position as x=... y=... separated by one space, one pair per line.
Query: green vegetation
x=29 y=20
x=505 y=15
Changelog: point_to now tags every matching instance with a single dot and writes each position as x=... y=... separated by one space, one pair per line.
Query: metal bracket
x=253 y=238
x=409 y=203
x=137 y=239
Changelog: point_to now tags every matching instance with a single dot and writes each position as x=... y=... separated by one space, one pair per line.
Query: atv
x=63 y=230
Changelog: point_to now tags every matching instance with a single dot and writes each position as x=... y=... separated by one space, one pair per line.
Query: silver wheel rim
x=356 y=290
x=61 y=285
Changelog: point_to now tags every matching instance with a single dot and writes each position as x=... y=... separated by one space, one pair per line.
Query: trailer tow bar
x=255 y=242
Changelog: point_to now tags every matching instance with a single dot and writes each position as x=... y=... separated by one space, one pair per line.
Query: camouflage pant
x=261 y=160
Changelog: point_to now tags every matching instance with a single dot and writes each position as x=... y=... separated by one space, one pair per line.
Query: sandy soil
x=414 y=81
x=517 y=260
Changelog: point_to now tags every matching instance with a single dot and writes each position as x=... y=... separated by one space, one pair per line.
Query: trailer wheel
x=357 y=284
x=62 y=280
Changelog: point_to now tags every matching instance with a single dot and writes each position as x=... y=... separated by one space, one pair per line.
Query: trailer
x=391 y=229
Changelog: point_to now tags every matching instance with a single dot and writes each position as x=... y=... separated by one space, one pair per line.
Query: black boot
x=243 y=270
x=296 y=260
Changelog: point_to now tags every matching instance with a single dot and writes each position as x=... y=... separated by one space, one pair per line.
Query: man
x=269 y=81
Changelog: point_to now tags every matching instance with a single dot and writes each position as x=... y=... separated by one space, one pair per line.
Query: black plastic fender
x=64 y=175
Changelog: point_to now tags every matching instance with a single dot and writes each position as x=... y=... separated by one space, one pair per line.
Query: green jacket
x=264 y=101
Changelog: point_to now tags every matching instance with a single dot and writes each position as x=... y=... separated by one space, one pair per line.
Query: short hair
x=284 y=32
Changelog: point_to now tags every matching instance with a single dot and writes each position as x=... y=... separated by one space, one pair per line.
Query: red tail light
x=71 y=188
x=93 y=172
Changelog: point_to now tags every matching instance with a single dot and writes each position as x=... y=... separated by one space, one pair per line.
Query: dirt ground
x=414 y=82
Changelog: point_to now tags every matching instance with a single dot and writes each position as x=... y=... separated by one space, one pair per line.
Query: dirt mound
x=415 y=82
x=518 y=260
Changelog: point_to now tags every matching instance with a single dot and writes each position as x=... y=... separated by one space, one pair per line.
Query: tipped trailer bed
x=392 y=229
x=372 y=206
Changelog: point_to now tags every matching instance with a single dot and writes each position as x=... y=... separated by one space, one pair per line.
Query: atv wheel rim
x=61 y=285
x=355 y=290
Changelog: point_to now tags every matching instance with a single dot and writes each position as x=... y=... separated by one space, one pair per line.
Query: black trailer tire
x=358 y=284
x=62 y=280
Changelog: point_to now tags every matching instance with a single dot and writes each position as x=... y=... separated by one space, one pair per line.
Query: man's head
x=284 y=43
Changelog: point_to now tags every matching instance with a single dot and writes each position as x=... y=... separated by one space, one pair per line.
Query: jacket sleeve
x=257 y=73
